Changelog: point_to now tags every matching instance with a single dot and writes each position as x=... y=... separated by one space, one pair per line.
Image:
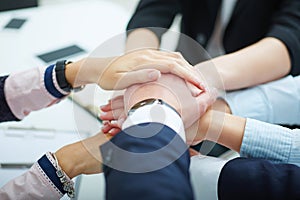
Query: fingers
x=206 y=99
x=112 y=115
x=169 y=62
x=114 y=103
x=111 y=128
x=193 y=89
x=137 y=77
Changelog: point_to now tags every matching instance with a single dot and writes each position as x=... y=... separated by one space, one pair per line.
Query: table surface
x=86 y=24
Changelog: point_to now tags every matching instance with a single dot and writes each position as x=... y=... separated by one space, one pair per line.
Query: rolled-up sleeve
x=275 y=102
x=286 y=27
x=272 y=142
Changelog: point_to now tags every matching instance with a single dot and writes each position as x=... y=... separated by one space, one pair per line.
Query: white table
x=87 y=24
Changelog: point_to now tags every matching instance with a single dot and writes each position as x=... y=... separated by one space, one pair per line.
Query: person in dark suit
x=243 y=178
x=253 y=42
x=270 y=167
x=149 y=158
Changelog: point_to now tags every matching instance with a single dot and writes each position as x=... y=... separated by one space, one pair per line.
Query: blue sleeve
x=148 y=161
x=258 y=179
x=5 y=112
x=272 y=142
x=274 y=102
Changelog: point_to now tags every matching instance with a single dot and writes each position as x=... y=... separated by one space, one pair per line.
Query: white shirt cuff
x=156 y=113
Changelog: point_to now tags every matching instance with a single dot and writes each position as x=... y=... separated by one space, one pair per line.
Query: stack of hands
x=143 y=74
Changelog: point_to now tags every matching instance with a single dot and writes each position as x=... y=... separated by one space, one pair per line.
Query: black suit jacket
x=251 y=21
x=148 y=161
x=243 y=178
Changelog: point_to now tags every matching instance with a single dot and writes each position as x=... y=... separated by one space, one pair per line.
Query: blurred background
x=129 y=5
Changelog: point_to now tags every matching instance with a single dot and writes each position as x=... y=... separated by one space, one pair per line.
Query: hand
x=82 y=157
x=113 y=115
x=197 y=132
x=135 y=67
x=171 y=89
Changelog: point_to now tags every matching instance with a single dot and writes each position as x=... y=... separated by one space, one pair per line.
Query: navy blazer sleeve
x=5 y=112
x=243 y=178
x=148 y=161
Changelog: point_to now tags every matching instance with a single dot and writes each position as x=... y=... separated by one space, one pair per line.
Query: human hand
x=134 y=67
x=171 y=89
x=82 y=157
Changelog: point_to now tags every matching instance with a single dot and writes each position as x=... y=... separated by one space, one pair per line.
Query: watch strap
x=60 y=71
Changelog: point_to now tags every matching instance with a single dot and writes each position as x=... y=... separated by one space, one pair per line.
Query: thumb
x=139 y=76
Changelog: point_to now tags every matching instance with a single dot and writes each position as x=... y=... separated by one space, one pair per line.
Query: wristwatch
x=151 y=101
x=60 y=68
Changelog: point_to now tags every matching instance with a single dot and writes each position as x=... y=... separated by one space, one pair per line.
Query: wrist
x=90 y=71
x=68 y=161
x=72 y=73
x=136 y=94
x=156 y=111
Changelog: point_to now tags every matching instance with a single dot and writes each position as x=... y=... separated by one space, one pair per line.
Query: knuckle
x=172 y=64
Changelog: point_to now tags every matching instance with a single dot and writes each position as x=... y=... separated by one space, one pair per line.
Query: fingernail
x=203 y=87
x=103 y=114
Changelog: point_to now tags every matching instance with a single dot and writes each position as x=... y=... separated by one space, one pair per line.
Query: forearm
x=261 y=62
x=251 y=138
x=87 y=71
x=222 y=128
x=140 y=39
x=82 y=157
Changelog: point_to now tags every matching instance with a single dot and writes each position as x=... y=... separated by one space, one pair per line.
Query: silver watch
x=151 y=101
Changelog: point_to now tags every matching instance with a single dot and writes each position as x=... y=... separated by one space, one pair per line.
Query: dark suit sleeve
x=258 y=179
x=148 y=161
x=5 y=112
x=154 y=13
x=286 y=27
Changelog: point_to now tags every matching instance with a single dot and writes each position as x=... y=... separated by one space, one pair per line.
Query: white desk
x=87 y=24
